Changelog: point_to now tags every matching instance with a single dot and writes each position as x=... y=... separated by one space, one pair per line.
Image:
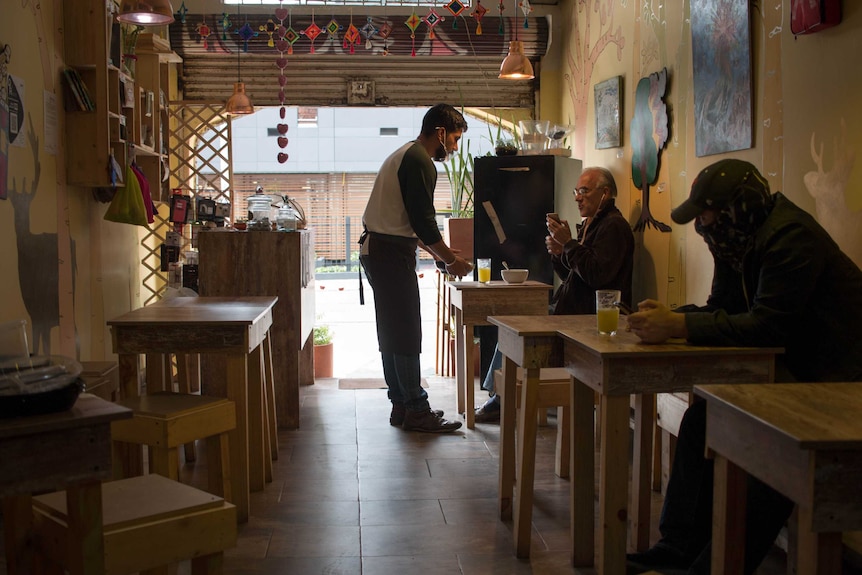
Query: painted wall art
x=721 y=50
x=608 y=104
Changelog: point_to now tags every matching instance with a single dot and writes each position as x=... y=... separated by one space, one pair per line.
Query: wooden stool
x=149 y=522
x=553 y=392
x=164 y=421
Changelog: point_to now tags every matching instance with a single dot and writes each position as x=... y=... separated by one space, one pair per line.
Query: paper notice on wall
x=50 y=105
x=495 y=221
x=15 y=102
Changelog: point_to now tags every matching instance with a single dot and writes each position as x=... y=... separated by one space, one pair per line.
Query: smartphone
x=554 y=216
x=624 y=309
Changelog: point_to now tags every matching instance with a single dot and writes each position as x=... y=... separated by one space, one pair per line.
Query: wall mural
x=828 y=188
x=648 y=136
x=584 y=51
x=721 y=58
x=38 y=259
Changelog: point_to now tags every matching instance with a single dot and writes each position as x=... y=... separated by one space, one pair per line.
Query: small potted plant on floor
x=323 y=348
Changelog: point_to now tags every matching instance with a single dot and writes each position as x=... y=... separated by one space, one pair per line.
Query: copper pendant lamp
x=516 y=65
x=239 y=103
x=146 y=12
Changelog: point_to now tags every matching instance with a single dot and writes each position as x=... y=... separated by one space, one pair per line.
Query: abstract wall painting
x=607 y=93
x=721 y=50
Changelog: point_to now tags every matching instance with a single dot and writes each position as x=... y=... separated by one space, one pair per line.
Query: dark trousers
x=686 y=517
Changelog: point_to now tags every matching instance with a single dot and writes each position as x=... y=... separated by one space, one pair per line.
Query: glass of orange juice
x=607 y=313
x=483 y=265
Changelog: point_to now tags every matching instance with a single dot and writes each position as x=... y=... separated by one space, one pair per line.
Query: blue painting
x=721 y=50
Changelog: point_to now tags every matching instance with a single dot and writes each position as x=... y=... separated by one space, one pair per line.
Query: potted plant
x=458 y=227
x=323 y=351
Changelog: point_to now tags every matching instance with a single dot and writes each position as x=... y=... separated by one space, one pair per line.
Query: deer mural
x=38 y=260
x=828 y=188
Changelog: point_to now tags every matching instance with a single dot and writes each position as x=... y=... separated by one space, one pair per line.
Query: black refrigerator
x=511 y=196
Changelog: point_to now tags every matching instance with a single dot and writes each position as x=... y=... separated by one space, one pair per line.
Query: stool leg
x=563 y=455
x=184 y=385
x=165 y=462
x=218 y=466
x=208 y=565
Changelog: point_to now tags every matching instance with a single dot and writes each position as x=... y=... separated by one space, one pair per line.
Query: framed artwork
x=721 y=54
x=608 y=104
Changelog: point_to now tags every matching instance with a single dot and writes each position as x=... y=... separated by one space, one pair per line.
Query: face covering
x=732 y=233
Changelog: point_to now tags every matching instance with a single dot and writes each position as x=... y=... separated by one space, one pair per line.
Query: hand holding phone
x=553 y=216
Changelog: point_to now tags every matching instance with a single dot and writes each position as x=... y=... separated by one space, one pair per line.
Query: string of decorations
x=285 y=38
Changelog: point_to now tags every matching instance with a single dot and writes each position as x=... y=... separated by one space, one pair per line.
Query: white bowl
x=513 y=276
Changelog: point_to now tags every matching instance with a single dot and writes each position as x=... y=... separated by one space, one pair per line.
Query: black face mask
x=441 y=154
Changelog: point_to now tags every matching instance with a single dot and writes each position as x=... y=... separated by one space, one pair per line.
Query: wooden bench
x=149 y=522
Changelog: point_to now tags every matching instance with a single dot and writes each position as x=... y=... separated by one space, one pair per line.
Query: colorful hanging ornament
x=286 y=37
x=204 y=32
x=246 y=33
x=225 y=25
x=455 y=7
x=333 y=28
x=368 y=31
x=182 y=12
x=478 y=13
x=384 y=32
x=312 y=32
x=432 y=19
x=413 y=22
x=501 y=30
x=351 y=36
x=269 y=29
x=526 y=8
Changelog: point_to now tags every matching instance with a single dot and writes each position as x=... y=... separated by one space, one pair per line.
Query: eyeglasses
x=581 y=192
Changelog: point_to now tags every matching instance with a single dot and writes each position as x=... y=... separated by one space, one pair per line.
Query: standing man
x=779 y=281
x=399 y=217
x=600 y=257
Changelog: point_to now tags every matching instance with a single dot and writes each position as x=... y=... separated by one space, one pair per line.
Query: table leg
x=582 y=486
x=256 y=422
x=817 y=553
x=469 y=378
x=272 y=418
x=613 y=483
x=86 y=538
x=459 y=358
x=728 y=518
x=642 y=459
x=237 y=391
x=18 y=533
x=130 y=458
x=507 y=438
x=525 y=469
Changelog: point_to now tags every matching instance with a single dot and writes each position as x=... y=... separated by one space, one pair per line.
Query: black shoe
x=396 y=416
x=657 y=558
x=489 y=412
x=428 y=422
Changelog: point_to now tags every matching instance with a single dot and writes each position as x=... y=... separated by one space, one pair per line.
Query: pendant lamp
x=516 y=65
x=146 y=12
x=239 y=103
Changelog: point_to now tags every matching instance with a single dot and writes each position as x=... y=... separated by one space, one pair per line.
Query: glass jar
x=259 y=212
x=286 y=218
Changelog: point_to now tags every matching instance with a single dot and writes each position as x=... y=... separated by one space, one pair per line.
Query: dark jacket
x=603 y=259
x=797 y=290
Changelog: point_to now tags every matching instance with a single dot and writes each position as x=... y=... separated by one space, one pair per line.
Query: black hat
x=714 y=188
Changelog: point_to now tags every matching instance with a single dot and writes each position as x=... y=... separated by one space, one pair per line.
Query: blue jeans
x=404 y=379
x=686 y=516
x=496 y=363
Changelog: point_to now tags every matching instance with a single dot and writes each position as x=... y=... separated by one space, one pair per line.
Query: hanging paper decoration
x=204 y=32
x=351 y=37
x=384 y=32
x=269 y=29
x=182 y=12
x=526 y=8
x=312 y=32
x=455 y=7
x=285 y=37
x=225 y=25
x=332 y=29
x=478 y=13
x=413 y=23
x=246 y=33
x=501 y=30
x=432 y=19
x=368 y=31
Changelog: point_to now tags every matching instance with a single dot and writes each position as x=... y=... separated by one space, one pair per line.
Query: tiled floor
x=352 y=495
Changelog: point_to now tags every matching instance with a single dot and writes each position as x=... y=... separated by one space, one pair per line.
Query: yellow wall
x=804 y=88
x=96 y=276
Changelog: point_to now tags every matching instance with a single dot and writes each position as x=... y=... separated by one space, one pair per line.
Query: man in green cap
x=779 y=281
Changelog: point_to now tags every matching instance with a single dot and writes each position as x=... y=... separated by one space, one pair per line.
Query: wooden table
x=532 y=343
x=472 y=303
x=617 y=367
x=230 y=327
x=802 y=439
x=69 y=450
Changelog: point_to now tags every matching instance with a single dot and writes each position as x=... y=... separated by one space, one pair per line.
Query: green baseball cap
x=714 y=188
